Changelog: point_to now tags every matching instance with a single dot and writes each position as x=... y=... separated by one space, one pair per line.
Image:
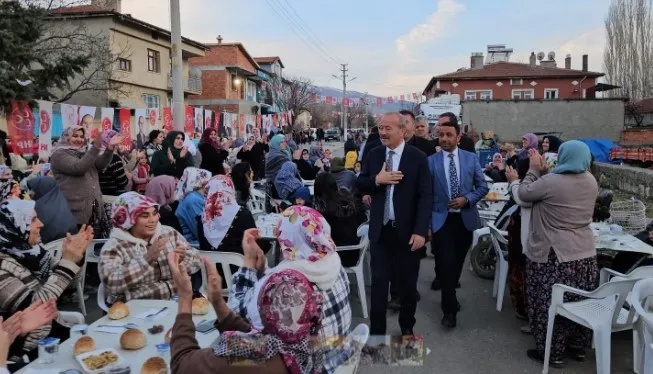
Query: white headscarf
x=192 y=179
x=220 y=209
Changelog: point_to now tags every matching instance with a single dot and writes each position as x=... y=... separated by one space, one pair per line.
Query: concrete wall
x=586 y=118
x=638 y=181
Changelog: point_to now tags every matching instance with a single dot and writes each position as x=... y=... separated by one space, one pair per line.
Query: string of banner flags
x=349 y=102
x=30 y=130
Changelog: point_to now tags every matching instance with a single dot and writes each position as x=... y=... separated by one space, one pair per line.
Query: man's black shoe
x=407 y=332
x=449 y=320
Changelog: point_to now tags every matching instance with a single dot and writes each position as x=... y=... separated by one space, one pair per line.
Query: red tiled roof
x=516 y=70
x=80 y=9
x=269 y=60
x=646 y=105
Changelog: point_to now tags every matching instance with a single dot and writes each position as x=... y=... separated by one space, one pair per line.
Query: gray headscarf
x=52 y=209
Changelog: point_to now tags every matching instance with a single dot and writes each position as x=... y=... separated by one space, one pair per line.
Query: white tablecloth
x=606 y=240
x=135 y=359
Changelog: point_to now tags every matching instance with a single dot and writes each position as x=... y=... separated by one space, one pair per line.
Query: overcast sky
x=392 y=46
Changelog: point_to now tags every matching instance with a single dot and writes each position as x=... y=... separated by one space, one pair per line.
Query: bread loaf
x=118 y=310
x=200 y=306
x=83 y=345
x=132 y=339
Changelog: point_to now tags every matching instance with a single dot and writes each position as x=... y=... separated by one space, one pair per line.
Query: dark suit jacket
x=373 y=141
x=422 y=144
x=412 y=197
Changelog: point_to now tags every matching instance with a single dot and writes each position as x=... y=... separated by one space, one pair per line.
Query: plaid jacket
x=126 y=274
x=336 y=318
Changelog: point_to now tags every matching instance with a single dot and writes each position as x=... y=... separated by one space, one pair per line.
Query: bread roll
x=168 y=336
x=154 y=365
x=83 y=345
x=200 y=306
x=118 y=310
x=132 y=339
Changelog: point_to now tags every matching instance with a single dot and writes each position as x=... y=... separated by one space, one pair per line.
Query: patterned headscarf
x=193 y=179
x=291 y=311
x=64 y=140
x=287 y=180
x=15 y=224
x=161 y=189
x=106 y=138
x=5 y=189
x=126 y=208
x=220 y=209
x=303 y=233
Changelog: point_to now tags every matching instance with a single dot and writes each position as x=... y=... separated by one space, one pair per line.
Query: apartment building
x=143 y=68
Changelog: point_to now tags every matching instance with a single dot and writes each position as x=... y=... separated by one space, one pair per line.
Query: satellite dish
x=540 y=56
x=552 y=56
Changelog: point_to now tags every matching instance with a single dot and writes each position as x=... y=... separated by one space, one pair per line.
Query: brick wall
x=637 y=137
x=565 y=89
x=215 y=84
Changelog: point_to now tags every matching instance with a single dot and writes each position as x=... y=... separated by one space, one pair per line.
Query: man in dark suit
x=458 y=184
x=397 y=178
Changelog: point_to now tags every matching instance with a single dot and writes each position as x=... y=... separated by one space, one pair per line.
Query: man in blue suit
x=458 y=184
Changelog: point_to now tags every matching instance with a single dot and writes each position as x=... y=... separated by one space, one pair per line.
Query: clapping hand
x=388 y=177
x=511 y=174
x=214 y=282
x=319 y=164
x=184 y=152
x=180 y=276
x=537 y=161
x=74 y=246
x=156 y=247
x=252 y=251
x=171 y=157
x=115 y=140
x=97 y=141
x=297 y=154
x=37 y=315
x=8 y=332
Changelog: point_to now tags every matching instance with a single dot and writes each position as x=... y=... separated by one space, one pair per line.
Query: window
x=125 y=64
x=153 y=61
x=478 y=95
x=470 y=95
x=251 y=91
x=152 y=101
x=485 y=95
x=551 y=93
x=516 y=82
x=523 y=94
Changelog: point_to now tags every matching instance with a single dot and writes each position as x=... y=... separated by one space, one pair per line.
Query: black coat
x=412 y=198
x=373 y=141
x=256 y=158
x=306 y=170
x=212 y=159
x=424 y=145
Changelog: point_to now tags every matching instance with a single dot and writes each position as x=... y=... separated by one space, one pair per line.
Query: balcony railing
x=190 y=84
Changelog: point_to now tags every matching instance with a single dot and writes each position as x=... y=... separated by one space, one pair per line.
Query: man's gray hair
x=421 y=118
x=402 y=119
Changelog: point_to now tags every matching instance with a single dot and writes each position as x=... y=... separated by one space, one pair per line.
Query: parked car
x=332 y=134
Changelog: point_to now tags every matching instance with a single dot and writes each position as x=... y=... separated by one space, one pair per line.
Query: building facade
x=142 y=70
x=505 y=80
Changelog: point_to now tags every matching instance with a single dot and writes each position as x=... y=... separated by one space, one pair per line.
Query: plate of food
x=98 y=361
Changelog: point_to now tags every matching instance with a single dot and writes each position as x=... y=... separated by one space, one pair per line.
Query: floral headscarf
x=220 y=209
x=15 y=224
x=193 y=179
x=303 y=233
x=126 y=208
x=64 y=140
x=291 y=311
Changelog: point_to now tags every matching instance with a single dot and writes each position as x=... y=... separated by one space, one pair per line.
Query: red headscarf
x=206 y=138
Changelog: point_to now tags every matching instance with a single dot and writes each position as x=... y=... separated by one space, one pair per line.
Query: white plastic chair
x=354 y=342
x=358 y=269
x=101 y=298
x=608 y=275
x=72 y=318
x=256 y=202
x=501 y=268
x=639 y=296
x=54 y=248
x=602 y=311
x=225 y=259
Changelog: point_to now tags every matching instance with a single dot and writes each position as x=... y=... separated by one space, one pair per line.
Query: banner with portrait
x=87 y=120
x=208 y=115
x=45 y=129
x=199 y=123
x=167 y=120
x=141 y=128
x=125 y=128
x=106 y=121
x=152 y=119
x=189 y=121
x=20 y=128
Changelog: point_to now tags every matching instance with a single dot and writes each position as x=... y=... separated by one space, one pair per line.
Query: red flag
x=390 y=100
x=189 y=121
x=259 y=121
x=345 y=101
x=241 y=125
x=379 y=101
x=216 y=120
x=329 y=100
x=167 y=119
x=20 y=125
x=312 y=96
x=125 y=117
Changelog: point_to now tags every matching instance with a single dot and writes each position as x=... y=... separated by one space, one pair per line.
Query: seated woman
x=133 y=263
x=341 y=212
x=277 y=156
x=345 y=178
x=288 y=183
x=191 y=193
x=283 y=345
x=305 y=242
x=497 y=169
x=52 y=209
x=307 y=169
x=162 y=190
x=29 y=274
x=242 y=175
x=173 y=157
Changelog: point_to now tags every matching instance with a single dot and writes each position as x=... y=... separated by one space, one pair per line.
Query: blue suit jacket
x=472 y=186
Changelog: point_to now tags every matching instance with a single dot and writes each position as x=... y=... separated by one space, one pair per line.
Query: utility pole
x=179 y=112
x=344 y=71
x=366 y=117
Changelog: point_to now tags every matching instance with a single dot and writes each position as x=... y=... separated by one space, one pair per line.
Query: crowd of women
x=167 y=207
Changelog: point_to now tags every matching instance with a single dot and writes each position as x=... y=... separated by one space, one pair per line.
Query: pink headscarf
x=64 y=140
x=532 y=140
x=161 y=189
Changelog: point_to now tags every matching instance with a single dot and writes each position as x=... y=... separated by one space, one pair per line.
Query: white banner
x=87 y=120
x=152 y=119
x=141 y=128
x=69 y=115
x=45 y=129
x=199 y=122
x=208 y=114
x=106 y=122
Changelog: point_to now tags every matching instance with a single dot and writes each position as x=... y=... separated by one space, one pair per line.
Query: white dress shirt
x=447 y=172
x=395 y=166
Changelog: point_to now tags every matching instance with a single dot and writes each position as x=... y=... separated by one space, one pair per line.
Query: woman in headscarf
x=52 y=209
x=290 y=311
x=242 y=175
x=307 y=169
x=277 y=156
x=304 y=238
x=213 y=156
x=326 y=160
x=191 y=194
x=288 y=181
x=560 y=246
x=29 y=273
x=223 y=222
x=173 y=157
x=162 y=190
x=76 y=171
x=528 y=142
x=316 y=153
x=496 y=169
x=254 y=152
x=133 y=262
x=5 y=189
x=550 y=146
x=113 y=178
x=154 y=143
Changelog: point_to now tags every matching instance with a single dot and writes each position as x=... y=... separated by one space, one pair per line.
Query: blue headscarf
x=287 y=180
x=275 y=143
x=574 y=157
